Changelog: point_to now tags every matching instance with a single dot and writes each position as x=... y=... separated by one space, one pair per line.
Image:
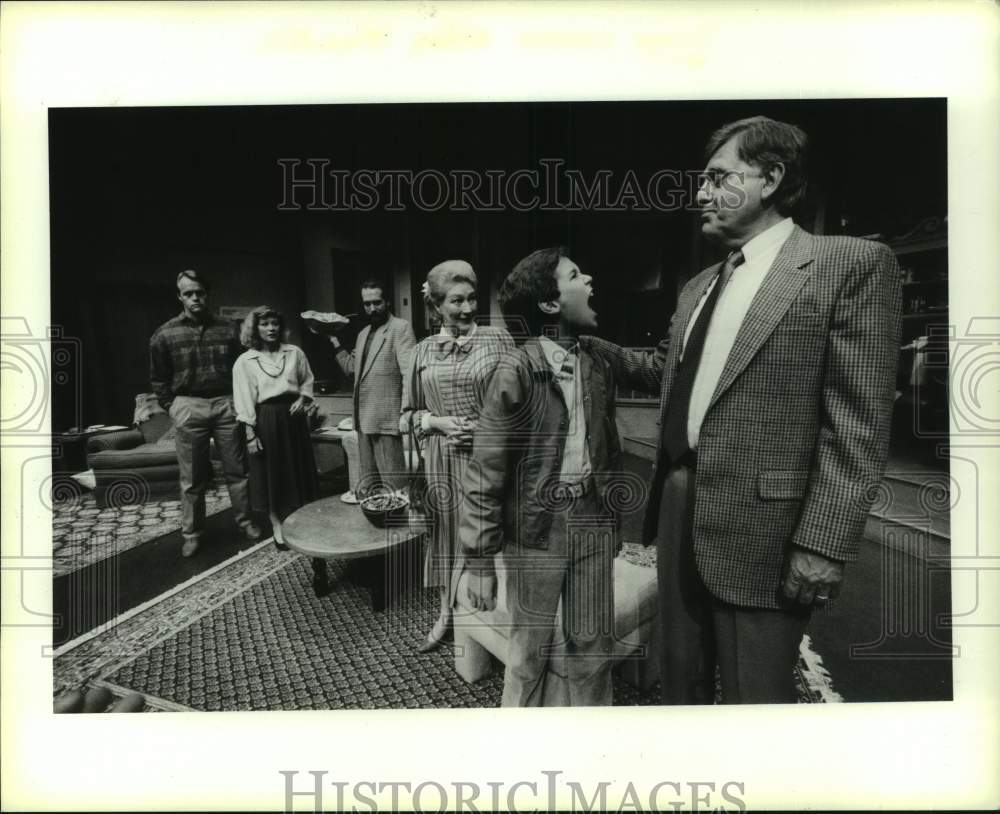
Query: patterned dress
x=448 y=378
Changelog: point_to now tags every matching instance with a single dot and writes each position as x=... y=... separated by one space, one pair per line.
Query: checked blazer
x=796 y=436
x=378 y=389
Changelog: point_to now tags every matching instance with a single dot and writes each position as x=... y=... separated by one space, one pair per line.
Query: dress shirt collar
x=769 y=240
x=554 y=353
x=256 y=353
x=445 y=334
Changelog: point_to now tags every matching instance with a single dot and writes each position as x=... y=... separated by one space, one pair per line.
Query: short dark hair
x=249 y=335
x=532 y=281
x=374 y=282
x=194 y=277
x=764 y=142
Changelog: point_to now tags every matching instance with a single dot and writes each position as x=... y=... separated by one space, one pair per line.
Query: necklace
x=265 y=371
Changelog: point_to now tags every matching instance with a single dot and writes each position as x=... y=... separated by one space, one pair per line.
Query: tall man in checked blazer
x=378 y=363
x=776 y=385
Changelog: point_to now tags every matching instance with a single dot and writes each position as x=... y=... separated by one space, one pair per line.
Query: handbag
x=417 y=476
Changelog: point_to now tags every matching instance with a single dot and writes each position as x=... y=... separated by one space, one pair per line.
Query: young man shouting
x=544 y=453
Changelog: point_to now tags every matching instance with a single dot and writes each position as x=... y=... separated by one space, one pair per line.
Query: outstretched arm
x=345 y=359
x=639 y=370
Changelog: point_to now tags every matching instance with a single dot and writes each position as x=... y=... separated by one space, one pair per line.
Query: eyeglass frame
x=706 y=177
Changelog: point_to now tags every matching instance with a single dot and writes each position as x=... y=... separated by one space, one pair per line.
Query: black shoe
x=280 y=546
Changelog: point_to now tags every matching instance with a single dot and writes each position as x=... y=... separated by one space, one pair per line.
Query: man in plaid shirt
x=776 y=384
x=191 y=370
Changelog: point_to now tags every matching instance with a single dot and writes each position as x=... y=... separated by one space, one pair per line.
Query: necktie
x=364 y=353
x=675 y=434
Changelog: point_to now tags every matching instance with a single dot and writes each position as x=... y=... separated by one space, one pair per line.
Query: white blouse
x=257 y=378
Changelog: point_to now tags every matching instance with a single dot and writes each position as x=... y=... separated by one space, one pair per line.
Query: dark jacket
x=518 y=450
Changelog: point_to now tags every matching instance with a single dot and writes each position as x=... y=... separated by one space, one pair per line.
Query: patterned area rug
x=279 y=647
x=83 y=533
x=250 y=635
x=91 y=658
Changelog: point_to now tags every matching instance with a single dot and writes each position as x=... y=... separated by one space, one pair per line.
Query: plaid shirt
x=187 y=358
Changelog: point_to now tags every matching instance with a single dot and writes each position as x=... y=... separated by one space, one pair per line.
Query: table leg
x=321 y=580
x=375 y=576
x=388 y=576
x=369 y=573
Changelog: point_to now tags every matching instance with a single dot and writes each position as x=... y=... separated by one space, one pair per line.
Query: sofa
x=481 y=636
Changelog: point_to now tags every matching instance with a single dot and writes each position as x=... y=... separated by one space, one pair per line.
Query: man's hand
x=810 y=578
x=482 y=589
x=254 y=447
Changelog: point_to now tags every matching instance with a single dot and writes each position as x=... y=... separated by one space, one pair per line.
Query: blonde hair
x=442 y=278
x=249 y=336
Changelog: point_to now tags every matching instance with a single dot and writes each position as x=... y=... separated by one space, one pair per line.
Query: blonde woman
x=449 y=374
x=273 y=395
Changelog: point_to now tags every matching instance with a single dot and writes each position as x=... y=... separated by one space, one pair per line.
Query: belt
x=206 y=396
x=575 y=489
x=689 y=459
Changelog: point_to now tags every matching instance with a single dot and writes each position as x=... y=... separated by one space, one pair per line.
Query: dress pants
x=381 y=463
x=578 y=567
x=198 y=420
x=350 y=446
x=755 y=649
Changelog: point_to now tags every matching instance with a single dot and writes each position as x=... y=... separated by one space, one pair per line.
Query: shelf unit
x=921 y=420
x=923 y=259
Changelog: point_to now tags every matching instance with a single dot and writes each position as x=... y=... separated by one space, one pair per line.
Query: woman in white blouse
x=273 y=395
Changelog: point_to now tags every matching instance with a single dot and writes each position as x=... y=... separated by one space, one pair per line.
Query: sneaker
x=251 y=532
x=349 y=497
x=190 y=547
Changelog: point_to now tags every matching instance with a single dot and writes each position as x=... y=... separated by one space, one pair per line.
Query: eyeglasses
x=716 y=179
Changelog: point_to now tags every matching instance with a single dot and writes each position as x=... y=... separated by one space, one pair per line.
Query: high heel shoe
x=432 y=642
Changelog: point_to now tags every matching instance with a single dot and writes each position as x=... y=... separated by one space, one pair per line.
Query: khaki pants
x=198 y=420
x=380 y=463
x=349 y=443
x=578 y=568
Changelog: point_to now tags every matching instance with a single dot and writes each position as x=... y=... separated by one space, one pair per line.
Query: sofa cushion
x=161 y=453
x=159 y=427
x=147 y=473
x=635 y=611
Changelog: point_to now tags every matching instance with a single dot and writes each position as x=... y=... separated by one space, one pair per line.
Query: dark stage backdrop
x=139 y=194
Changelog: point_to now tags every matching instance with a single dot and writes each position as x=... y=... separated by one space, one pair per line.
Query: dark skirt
x=282 y=477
